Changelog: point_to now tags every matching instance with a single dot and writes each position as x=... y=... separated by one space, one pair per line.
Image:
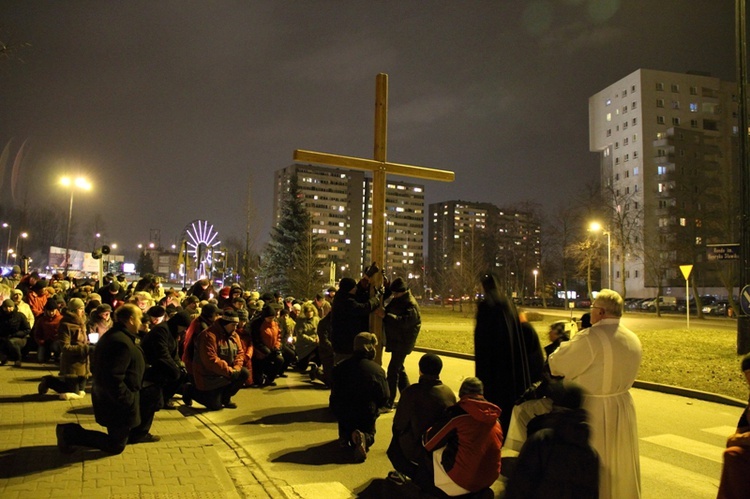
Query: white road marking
x=682 y=444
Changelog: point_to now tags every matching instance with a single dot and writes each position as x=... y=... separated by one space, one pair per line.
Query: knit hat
x=229 y=315
x=40 y=285
x=566 y=394
x=346 y=284
x=114 y=287
x=179 y=319
x=50 y=305
x=9 y=303
x=365 y=342
x=103 y=308
x=243 y=315
x=398 y=285
x=15 y=270
x=269 y=311
x=430 y=364
x=471 y=386
x=75 y=304
x=16 y=292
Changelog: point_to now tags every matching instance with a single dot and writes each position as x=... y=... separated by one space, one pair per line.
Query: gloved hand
x=236 y=374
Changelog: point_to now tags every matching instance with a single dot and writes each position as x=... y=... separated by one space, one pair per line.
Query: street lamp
x=7 y=253
x=536 y=273
x=72 y=184
x=21 y=236
x=596 y=227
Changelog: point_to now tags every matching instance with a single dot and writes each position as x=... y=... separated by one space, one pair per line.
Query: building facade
x=468 y=239
x=339 y=202
x=668 y=171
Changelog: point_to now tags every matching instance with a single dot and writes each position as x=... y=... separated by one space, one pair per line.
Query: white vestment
x=604 y=360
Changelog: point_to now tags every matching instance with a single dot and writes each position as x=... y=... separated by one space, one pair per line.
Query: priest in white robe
x=604 y=360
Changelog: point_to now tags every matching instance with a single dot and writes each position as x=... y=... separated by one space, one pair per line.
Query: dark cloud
x=174 y=107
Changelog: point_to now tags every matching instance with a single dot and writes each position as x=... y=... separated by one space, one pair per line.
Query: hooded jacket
x=472 y=438
x=74 y=358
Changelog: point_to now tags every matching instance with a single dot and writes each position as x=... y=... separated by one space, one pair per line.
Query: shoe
x=70 y=396
x=82 y=394
x=187 y=395
x=62 y=444
x=230 y=405
x=313 y=371
x=17 y=363
x=396 y=477
x=283 y=375
x=43 y=388
x=169 y=404
x=360 y=449
x=385 y=409
x=146 y=438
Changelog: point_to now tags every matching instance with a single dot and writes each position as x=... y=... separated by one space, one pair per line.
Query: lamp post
x=80 y=183
x=7 y=252
x=596 y=227
x=536 y=273
x=21 y=237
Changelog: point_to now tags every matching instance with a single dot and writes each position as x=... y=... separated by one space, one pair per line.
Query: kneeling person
x=218 y=364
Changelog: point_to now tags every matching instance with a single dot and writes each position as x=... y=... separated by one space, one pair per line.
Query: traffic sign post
x=686 y=269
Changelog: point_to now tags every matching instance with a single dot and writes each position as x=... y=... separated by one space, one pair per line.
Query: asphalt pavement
x=281 y=442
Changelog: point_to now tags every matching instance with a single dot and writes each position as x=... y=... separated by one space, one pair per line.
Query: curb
x=642 y=385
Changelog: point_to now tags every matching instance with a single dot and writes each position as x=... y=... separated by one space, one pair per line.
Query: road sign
x=686 y=269
x=723 y=252
x=745 y=300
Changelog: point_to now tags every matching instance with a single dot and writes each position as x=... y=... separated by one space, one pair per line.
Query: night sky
x=172 y=108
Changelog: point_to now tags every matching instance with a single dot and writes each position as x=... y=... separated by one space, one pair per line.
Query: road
x=288 y=431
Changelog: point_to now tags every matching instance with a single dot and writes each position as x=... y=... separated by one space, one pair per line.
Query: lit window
x=609 y=116
x=693 y=107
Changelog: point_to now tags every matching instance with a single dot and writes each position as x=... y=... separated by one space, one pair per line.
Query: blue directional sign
x=745 y=300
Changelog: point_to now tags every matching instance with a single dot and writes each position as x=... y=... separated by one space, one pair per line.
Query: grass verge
x=678 y=356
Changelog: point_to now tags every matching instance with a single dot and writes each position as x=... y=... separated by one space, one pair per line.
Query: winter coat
x=217 y=355
x=350 y=316
x=13 y=325
x=359 y=389
x=266 y=338
x=472 y=438
x=306 y=334
x=45 y=328
x=74 y=359
x=420 y=405
x=37 y=302
x=118 y=378
x=402 y=323
x=160 y=351
x=557 y=461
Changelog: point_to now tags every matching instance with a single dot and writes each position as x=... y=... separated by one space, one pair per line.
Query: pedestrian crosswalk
x=674 y=466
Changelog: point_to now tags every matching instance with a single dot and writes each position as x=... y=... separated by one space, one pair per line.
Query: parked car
x=666 y=303
x=720 y=307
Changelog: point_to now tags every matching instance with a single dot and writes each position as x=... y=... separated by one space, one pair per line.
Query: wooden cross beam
x=379 y=167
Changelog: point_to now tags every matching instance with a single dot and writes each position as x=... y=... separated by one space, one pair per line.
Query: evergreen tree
x=145 y=264
x=291 y=263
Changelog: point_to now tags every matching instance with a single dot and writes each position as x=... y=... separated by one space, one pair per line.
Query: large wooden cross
x=379 y=168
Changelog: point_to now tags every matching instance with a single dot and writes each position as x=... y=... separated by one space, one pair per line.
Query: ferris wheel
x=201 y=239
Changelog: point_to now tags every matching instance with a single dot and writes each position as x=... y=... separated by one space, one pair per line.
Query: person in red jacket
x=464 y=445
x=45 y=333
x=217 y=364
x=268 y=361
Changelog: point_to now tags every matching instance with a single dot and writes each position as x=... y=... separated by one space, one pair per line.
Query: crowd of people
x=565 y=408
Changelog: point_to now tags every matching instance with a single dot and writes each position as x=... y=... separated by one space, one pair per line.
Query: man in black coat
x=161 y=353
x=402 y=322
x=351 y=310
x=14 y=330
x=120 y=403
x=421 y=405
x=359 y=390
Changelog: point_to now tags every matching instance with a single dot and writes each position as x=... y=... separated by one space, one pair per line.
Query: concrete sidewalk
x=190 y=460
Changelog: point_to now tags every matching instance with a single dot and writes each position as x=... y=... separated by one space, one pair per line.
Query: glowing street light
x=72 y=184
x=7 y=253
x=536 y=273
x=596 y=227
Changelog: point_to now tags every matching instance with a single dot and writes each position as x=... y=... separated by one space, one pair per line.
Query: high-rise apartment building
x=668 y=170
x=339 y=202
x=467 y=239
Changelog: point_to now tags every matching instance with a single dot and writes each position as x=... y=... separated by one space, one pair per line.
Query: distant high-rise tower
x=340 y=204
x=467 y=239
x=668 y=171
